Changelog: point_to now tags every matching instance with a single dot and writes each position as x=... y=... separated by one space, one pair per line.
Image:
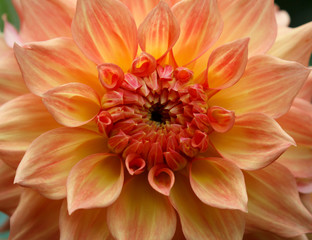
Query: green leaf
x=6 y=7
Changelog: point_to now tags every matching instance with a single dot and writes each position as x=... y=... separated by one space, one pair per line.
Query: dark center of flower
x=159 y=114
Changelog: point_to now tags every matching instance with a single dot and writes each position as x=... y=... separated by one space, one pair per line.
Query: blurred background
x=300 y=12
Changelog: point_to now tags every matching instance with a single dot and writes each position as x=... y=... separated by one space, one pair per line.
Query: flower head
x=160 y=109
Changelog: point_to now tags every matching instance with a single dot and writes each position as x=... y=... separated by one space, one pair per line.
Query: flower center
x=158 y=113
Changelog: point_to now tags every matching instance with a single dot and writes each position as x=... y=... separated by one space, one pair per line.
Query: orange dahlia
x=156 y=121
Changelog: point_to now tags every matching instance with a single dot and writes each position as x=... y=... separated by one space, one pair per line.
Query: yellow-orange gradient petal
x=200 y=26
x=294 y=45
x=159 y=31
x=269 y=85
x=50 y=157
x=227 y=64
x=249 y=18
x=218 y=183
x=200 y=221
x=45 y=19
x=35 y=218
x=141 y=213
x=306 y=90
x=21 y=121
x=106 y=32
x=55 y=62
x=140 y=8
x=274 y=204
x=255 y=141
x=83 y=224
x=9 y=192
x=72 y=104
x=94 y=182
x=262 y=235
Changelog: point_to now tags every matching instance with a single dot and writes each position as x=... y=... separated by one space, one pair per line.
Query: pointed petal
x=94 y=182
x=298 y=160
x=200 y=221
x=9 y=192
x=140 y=8
x=45 y=19
x=21 y=121
x=269 y=85
x=141 y=213
x=274 y=204
x=294 y=45
x=255 y=141
x=88 y=224
x=11 y=82
x=103 y=35
x=227 y=64
x=51 y=156
x=218 y=183
x=55 y=62
x=249 y=18
x=72 y=104
x=35 y=218
x=159 y=31
x=200 y=24
x=297 y=122
x=10 y=33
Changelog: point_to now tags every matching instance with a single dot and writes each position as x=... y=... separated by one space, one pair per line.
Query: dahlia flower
x=155 y=120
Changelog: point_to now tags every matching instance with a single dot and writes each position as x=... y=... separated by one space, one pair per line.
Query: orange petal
x=298 y=161
x=11 y=82
x=159 y=31
x=297 y=122
x=55 y=62
x=103 y=35
x=9 y=192
x=94 y=182
x=72 y=104
x=254 y=19
x=21 y=121
x=307 y=201
x=51 y=156
x=269 y=85
x=220 y=119
x=200 y=24
x=255 y=141
x=262 y=235
x=45 y=19
x=83 y=224
x=227 y=64
x=200 y=221
x=274 y=204
x=141 y=213
x=161 y=178
x=294 y=45
x=35 y=218
x=306 y=90
x=140 y=8
x=304 y=185
x=218 y=183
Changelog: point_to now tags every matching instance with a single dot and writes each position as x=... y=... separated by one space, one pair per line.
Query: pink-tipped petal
x=161 y=178
x=45 y=19
x=294 y=45
x=50 y=157
x=269 y=85
x=200 y=24
x=55 y=62
x=200 y=221
x=140 y=8
x=220 y=119
x=249 y=18
x=159 y=31
x=94 y=182
x=218 y=183
x=227 y=64
x=35 y=218
x=72 y=104
x=99 y=39
x=83 y=224
x=10 y=33
x=21 y=121
x=274 y=204
x=297 y=122
x=9 y=192
x=141 y=213
x=255 y=141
